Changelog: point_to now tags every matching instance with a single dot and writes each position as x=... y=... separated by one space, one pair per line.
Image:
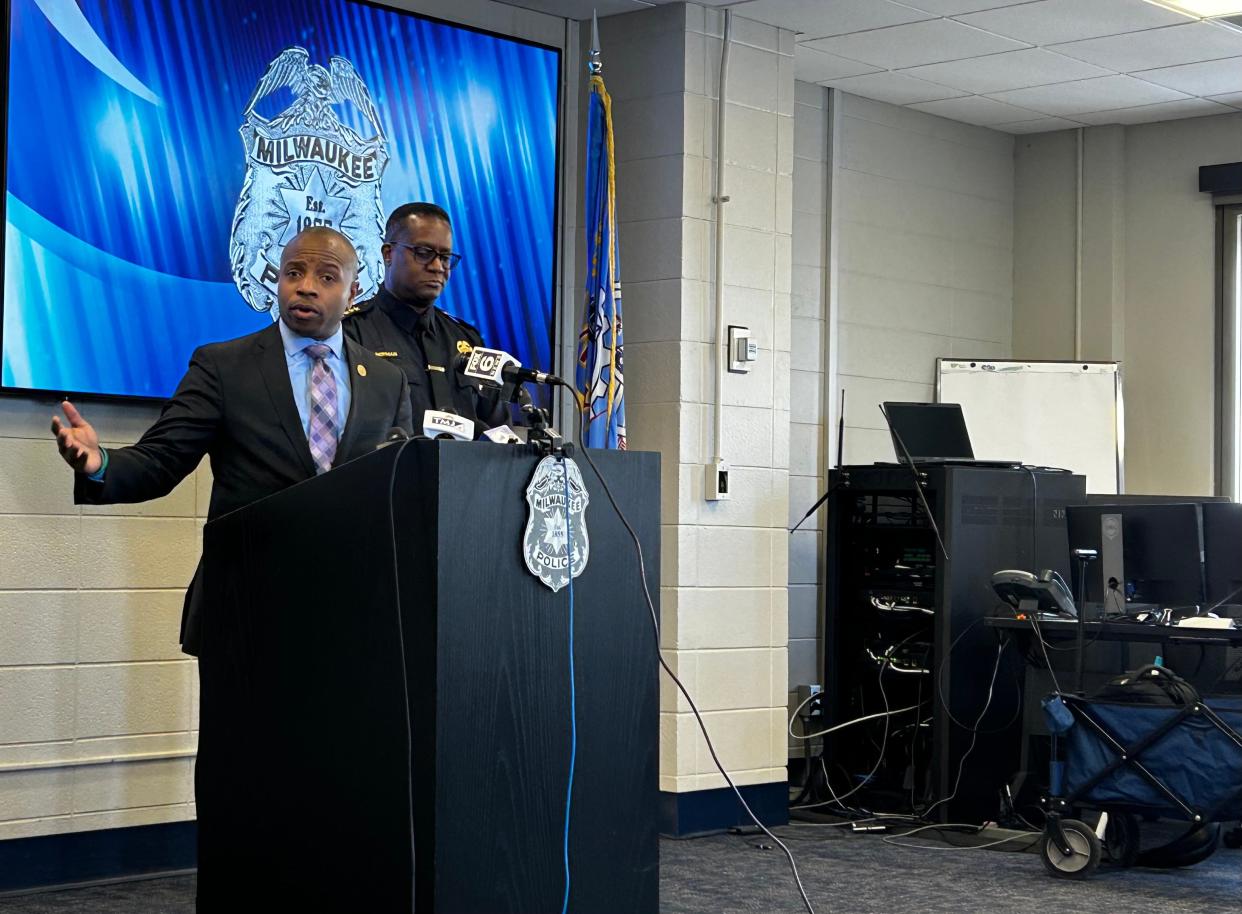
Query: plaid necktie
x=324 y=428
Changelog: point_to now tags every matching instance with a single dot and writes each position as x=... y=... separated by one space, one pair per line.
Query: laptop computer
x=934 y=433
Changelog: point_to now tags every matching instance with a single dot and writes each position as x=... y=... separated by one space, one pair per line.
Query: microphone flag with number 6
x=601 y=376
x=488 y=365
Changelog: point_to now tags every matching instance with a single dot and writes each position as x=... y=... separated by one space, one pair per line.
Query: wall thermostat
x=742 y=349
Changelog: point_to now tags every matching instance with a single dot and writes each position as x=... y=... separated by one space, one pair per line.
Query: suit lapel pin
x=362 y=371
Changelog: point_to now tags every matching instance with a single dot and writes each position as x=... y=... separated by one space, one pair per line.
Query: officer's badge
x=554 y=544
x=304 y=167
x=464 y=348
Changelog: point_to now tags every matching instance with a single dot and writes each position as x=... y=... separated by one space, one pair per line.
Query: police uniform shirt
x=426 y=347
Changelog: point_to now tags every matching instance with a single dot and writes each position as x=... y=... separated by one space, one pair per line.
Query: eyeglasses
x=425 y=255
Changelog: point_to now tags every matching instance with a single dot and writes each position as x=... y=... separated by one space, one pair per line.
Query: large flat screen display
x=160 y=153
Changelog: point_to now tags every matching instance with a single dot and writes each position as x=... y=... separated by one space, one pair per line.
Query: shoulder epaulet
x=361 y=308
x=466 y=325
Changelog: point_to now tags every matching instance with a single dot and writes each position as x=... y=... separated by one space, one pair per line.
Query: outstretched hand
x=77 y=442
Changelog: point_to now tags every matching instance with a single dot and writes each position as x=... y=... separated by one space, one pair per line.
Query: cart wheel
x=1121 y=838
x=1084 y=854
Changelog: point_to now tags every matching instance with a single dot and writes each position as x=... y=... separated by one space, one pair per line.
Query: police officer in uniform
x=403 y=326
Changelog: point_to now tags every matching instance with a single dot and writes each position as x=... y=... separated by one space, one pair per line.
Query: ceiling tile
x=819 y=18
x=1052 y=21
x=1165 y=47
x=893 y=88
x=577 y=9
x=1038 y=125
x=953 y=7
x=1232 y=99
x=1102 y=94
x=916 y=43
x=811 y=66
x=975 y=109
x=1009 y=70
x=1145 y=114
x=1212 y=77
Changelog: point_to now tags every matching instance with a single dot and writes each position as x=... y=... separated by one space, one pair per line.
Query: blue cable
x=573 y=697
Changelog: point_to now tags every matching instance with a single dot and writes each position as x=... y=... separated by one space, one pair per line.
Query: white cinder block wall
x=723 y=593
x=98 y=707
x=925 y=214
x=1149 y=279
x=923 y=211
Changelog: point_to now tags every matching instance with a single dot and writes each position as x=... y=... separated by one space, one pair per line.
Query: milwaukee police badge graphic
x=552 y=547
x=305 y=167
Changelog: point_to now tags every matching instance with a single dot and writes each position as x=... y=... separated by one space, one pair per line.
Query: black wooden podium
x=385 y=717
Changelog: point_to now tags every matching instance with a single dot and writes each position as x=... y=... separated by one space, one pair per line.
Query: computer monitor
x=1160 y=559
x=1222 y=551
x=930 y=431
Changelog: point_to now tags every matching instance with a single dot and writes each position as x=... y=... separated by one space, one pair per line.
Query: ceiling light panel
x=1203 y=8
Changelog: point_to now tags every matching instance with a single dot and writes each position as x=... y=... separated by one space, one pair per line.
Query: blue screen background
x=118 y=211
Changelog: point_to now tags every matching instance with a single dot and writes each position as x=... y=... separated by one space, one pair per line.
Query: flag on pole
x=601 y=378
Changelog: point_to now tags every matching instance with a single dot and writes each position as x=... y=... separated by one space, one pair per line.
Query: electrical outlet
x=717 y=481
x=811 y=700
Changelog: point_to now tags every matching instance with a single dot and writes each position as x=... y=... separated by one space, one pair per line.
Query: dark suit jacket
x=236 y=405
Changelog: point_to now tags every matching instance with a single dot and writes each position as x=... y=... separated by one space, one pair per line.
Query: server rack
x=903 y=628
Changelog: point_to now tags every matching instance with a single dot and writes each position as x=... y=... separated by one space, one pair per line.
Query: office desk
x=1067 y=630
x=1202 y=656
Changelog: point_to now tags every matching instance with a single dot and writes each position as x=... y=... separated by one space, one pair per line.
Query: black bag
x=1149 y=685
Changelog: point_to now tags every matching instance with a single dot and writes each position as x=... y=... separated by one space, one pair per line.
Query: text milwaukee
x=290 y=149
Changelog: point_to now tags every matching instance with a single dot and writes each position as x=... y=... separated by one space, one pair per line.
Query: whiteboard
x=1054 y=414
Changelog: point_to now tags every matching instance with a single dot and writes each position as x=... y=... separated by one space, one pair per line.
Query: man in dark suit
x=270 y=409
x=402 y=324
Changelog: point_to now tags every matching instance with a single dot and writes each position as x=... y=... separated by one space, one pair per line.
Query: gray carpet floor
x=844 y=874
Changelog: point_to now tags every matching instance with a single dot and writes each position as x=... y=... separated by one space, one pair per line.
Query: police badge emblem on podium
x=555 y=542
x=305 y=167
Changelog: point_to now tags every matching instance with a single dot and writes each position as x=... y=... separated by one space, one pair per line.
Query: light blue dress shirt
x=300 y=365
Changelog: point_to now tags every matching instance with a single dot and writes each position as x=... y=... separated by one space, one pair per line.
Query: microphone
x=396 y=433
x=502 y=434
x=497 y=368
x=439 y=424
